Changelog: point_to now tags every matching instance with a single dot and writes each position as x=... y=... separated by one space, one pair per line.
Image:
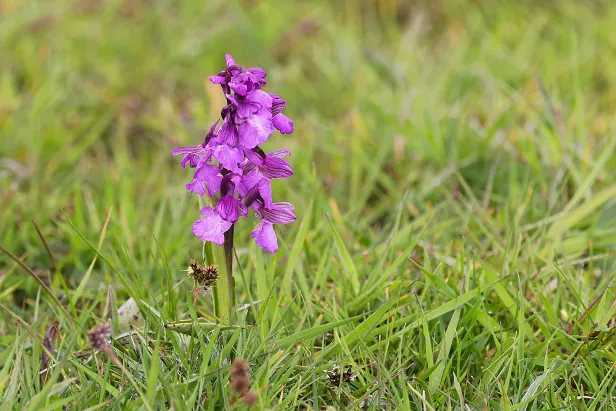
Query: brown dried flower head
x=348 y=375
x=205 y=276
x=335 y=377
x=99 y=336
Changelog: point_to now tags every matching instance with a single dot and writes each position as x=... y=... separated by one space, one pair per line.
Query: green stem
x=223 y=290
x=229 y=263
x=220 y=292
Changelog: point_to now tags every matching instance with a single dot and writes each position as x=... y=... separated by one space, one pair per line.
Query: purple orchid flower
x=264 y=234
x=231 y=162
x=212 y=227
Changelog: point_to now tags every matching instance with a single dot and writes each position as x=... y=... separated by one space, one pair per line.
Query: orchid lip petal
x=210 y=176
x=255 y=130
x=211 y=227
x=197 y=187
x=229 y=157
x=265 y=237
x=228 y=134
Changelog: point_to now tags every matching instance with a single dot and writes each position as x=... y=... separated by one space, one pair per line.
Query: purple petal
x=283 y=123
x=197 y=150
x=276 y=215
x=247 y=166
x=218 y=79
x=212 y=129
x=253 y=183
x=184 y=150
x=265 y=237
x=192 y=154
x=260 y=97
x=229 y=209
x=245 y=108
x=232 y=68
x=229 y=59
x=284 y=206
x=255 y=130
x=279 y=154
x=257 y=75
x=210 y=175
x=196 y=187
x=253 y=157
x=228 y=133
x=272 y=166
x=211 y=227
x=248 y=81
x=228 y=156
x=238 y=86
x=275 y=168
x=278 y=104
x=193 y=159
x=248 y=181
x=265 y=190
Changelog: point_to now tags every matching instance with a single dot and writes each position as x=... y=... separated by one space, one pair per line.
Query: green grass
x=455 y=186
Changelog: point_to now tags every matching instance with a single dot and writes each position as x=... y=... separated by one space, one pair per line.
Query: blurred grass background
x=483 y=128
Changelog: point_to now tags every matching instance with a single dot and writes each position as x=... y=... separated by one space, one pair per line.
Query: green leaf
x=347 y=262
x=313 y=332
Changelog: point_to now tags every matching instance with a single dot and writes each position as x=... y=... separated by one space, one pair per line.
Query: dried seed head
x=348 y=375
x=195 y=270
x=211 y=275
x=335 y=377
x=99 y=336
x=204 y=276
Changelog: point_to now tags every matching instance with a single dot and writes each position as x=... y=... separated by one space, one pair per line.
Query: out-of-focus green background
x=474 y=137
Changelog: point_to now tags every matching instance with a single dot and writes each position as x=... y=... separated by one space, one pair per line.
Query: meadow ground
x=454 y=184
